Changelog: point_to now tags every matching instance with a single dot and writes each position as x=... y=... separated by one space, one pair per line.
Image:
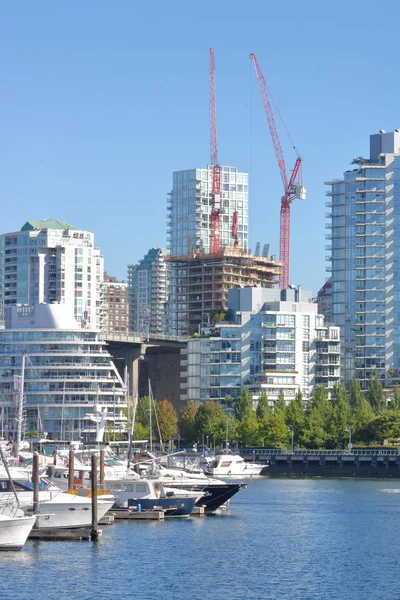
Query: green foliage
x=167 y=420
x=187 y=422
x=244 y=404
x=281 y=400
x=211 y=420
x=318 y=428
x=274 y=429
x=384 y=427
x=247 y=429
x=375 y=394
x=141 y=432
x=339 y=394
x=356 y=395
x=395 y=403
x=295 y=416
x=362 y=415
x=143 y=411
x=263 y=409
x=218 y=315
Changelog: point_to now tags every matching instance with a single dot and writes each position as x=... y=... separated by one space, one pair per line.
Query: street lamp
x=349 y=445
x=290 y=428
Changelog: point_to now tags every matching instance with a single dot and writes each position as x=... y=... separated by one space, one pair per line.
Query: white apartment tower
x=189 y=210
x=49 y=262
x=148 y=289
x=364 y=260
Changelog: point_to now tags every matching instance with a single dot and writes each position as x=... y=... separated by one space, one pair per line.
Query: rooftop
x=47 y=224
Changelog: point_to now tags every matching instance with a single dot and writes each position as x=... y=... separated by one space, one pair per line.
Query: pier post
x=71 y=459
x=35 y=479
x=101 y=482
x=95 y=526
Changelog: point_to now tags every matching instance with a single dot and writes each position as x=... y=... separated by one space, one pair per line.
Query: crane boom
x=292 y=187
x=215 y=227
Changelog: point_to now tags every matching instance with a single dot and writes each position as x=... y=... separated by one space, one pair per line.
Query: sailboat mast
x=20 y=407
x=62 y=414
x=150 y=422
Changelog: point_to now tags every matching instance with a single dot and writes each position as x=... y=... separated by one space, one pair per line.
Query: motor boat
x=129 y=489
x=152 y=495
x=232 y=465
x=14 y=531
x=57 y=509
x=214 y=493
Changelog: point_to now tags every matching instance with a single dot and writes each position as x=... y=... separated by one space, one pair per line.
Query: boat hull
x=14 y=532
x=213 y=496
x=172 y=507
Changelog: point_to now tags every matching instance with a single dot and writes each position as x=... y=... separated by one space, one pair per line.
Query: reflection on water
x=297 y=539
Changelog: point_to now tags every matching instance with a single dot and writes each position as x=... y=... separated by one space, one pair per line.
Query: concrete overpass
x=154 y=358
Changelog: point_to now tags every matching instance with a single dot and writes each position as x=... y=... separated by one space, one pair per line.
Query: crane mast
x=292 y=187
x=215 y=228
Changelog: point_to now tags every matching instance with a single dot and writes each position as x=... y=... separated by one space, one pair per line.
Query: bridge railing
x=247 y=452
x=142 y=338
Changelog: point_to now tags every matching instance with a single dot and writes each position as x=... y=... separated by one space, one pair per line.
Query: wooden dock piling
x=95 y=525
x=35 y=479
x=71 y=460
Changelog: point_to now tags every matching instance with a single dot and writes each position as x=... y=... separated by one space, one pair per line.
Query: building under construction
x=200 y=284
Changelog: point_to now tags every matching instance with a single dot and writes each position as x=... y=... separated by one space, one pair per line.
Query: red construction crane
x=215 y=229
x=292 y=187
x=235 y=229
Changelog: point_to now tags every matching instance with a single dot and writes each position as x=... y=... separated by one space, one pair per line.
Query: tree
x=244 y=404
x=356 y=395
x=187 y=422
x=211 y=420
x=167 y=419
x=299 y=398
x=339 y=394
x=385 y=426
x=341 y=421
x=263 y=409
x=318 y=429
x=274 y=429
x=141 y=432
x=247 y=429
x=362 y=415
x=281 y=400
x=395 y=403
x=375 y=394
x=295 y=417
x=143 y=411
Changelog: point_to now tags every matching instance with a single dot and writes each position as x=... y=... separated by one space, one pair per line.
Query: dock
x=198 y=511
x=376 y=464
x=108 y=519
x=74 y=533
x=134 y=515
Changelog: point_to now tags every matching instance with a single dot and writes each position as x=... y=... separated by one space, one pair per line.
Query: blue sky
x=101 y=101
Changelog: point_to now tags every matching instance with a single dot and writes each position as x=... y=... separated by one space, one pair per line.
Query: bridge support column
x=132 y=357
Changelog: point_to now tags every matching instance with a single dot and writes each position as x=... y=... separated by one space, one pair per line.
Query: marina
x=291 y=539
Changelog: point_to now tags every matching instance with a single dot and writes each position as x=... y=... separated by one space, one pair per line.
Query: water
x=297 y=539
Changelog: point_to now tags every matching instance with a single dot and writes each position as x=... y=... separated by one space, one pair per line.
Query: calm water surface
x=297 y=539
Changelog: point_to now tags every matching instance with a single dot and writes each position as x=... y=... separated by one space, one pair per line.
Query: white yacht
x=56 y=508
x=232 y=465
x=14 y=531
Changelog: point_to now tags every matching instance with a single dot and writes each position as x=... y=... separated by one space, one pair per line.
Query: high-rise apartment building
x=189 y=210
x=365 y=260
x=115 y=297
x=148 y=288
x=276 y=342
x=50 y=261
